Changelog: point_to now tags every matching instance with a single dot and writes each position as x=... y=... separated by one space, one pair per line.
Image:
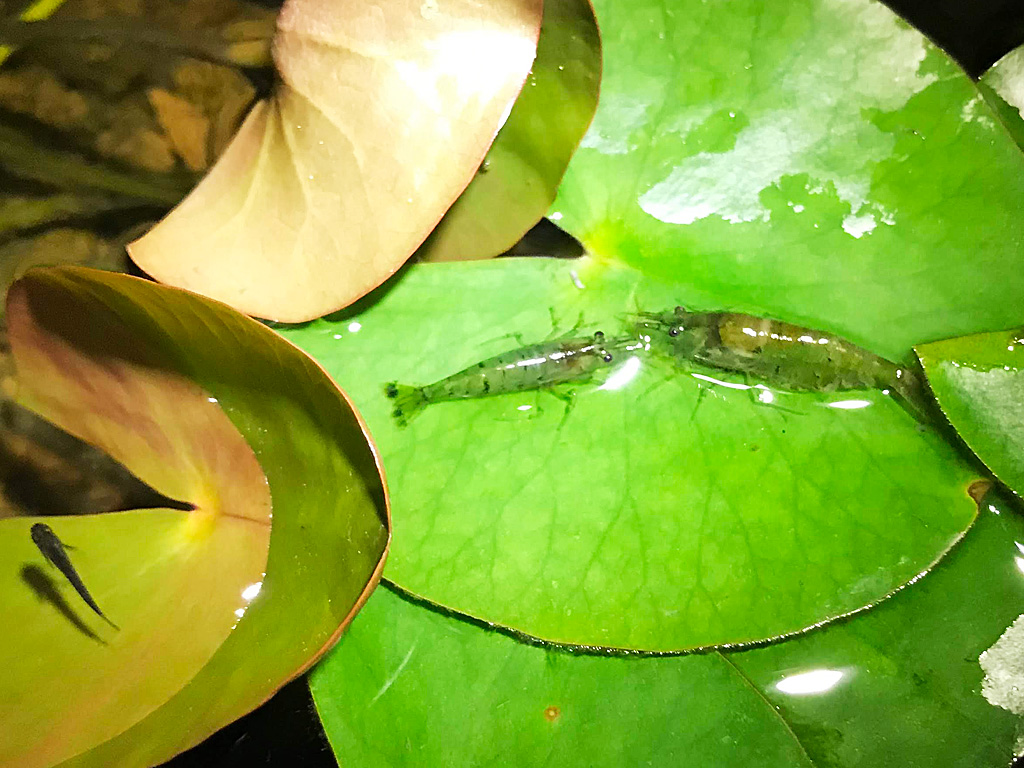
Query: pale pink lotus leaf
x=383 y=113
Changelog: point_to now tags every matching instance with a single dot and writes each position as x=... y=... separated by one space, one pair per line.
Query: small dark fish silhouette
x=53 y=550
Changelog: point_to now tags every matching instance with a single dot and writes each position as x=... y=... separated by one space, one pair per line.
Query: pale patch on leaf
x=1003 y=685
x=1007 y=79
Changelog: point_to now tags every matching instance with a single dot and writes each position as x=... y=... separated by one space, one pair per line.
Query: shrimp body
x=531 y=367
x=781 y=354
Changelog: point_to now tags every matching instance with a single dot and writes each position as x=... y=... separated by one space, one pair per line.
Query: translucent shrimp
x=784 y=355
x=535 y=366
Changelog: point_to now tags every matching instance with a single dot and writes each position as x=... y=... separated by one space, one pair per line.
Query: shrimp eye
x=607 y=357
x=599 y=336
x=391 y=391
x=673 y=331
x=679 y=310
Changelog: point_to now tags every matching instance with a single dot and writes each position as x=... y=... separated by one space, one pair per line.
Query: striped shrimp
x=787 y=356
x=531 y=367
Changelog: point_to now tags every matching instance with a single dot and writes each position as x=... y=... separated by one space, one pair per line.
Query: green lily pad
x=404 y=677
x=644 y=517
x=114 y=360
x=821 y=163
x=520 y=175
x=819 y=195
x=918 y=655
x=979 y=384
x=1003 y=87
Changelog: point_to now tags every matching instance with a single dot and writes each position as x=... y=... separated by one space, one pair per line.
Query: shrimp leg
x=567 y=396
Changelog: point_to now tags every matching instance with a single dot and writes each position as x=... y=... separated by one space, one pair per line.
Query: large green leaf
x=520 y=175
x=899 y=685
x=105 y=333
x=817 y=161
x=817 y=179
x=642 y=518
x=405 y=678
x=979 y=384
x=916 y=655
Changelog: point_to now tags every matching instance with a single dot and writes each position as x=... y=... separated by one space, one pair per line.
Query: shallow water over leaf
x=663 y=510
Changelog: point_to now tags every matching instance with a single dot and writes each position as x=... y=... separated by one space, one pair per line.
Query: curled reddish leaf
x=218 y=412
x=160 y=574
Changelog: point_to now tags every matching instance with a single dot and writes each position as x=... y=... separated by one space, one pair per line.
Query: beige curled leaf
x=383 y=114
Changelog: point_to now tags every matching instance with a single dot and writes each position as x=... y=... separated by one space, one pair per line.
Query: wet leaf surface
x=821 y=163
x=640 y=520
x=646 y=515
x=916 y=654
x=150 y=569
x=519 y=178
x=980 y=387
x=824 y=699
x=403 y=669
x=338 y=179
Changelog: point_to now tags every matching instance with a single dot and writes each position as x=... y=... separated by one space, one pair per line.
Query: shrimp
x=531 y=367
x=781 y=354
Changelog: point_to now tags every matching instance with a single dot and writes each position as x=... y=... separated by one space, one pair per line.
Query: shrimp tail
x=409 y=401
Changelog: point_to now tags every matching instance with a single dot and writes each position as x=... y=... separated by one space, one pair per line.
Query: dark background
x=286 y=731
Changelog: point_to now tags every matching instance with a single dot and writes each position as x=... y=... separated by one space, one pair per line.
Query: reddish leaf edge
x=375 y=577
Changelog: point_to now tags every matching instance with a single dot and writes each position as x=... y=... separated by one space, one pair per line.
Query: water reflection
x=849 y=405
x=250 y=592
x=622 y=375
x=813 y=682
x=720 y=383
